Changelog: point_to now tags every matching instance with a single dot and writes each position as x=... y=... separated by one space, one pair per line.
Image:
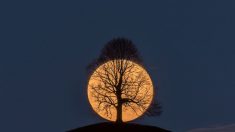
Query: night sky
x=188 y=47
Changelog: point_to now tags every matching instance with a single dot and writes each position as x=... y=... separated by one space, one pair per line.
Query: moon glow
x=128 y=113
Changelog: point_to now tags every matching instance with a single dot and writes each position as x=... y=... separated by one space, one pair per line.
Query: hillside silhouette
x=124 y=127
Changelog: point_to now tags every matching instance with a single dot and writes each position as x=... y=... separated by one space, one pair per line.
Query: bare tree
x=121 y=83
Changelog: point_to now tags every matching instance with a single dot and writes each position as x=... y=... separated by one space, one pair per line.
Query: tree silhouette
x=121 y=82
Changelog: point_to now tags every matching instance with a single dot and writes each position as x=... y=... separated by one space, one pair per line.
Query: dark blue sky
x=188 y=47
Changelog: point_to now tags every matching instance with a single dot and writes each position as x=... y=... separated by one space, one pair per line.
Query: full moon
x=129 y=111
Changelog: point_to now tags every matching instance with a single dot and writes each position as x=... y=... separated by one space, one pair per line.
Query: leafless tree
x=120 y=83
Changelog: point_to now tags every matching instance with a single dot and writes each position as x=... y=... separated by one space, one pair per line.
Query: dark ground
x=111 y=127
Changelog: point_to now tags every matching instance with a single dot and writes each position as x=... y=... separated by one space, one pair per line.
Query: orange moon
x=128 y=114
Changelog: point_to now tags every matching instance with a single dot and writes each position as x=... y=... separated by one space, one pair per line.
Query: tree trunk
x=119 y=101
x=119 y=113
x=119 y=106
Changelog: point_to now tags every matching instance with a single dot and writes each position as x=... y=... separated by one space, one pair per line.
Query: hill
x=112 y=127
